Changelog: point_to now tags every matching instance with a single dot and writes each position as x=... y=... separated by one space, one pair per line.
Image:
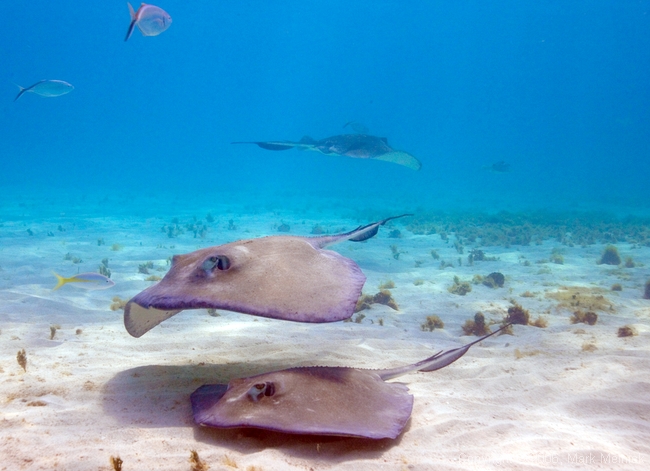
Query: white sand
x=562 y=397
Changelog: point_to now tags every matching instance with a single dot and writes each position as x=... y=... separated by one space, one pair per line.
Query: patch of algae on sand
x=384 y=297
x=591 y=299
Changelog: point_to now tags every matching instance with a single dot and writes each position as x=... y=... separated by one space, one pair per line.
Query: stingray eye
x=220 y=262
x=223 y=262
x=270 y=389
x=257 y=391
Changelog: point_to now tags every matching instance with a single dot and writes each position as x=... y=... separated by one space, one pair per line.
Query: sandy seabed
x=567 y=396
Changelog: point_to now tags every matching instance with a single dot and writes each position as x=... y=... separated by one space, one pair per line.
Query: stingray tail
x=437 y=361
x=359 y=234
x=133 y=21
x=270 y=145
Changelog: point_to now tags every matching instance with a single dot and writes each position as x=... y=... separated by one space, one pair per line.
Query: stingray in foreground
x=360 y=146
x=318 y=400
x=282 y=277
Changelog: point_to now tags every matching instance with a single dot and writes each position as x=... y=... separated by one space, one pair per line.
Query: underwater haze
x=558 y=90
x=245 y=187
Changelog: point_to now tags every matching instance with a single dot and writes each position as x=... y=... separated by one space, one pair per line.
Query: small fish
x=150 y=19
x=47 y=88
x=90 y=281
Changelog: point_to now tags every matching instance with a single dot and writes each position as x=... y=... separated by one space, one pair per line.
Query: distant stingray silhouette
x=360 y=146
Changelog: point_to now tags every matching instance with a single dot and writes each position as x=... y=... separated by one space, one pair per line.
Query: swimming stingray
x=282 y=277
x=361 y=146
x=498 y=167
x=318 y=400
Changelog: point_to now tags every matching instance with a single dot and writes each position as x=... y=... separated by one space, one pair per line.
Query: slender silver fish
x=47 y=88
x=150 y=20
x=90 y=281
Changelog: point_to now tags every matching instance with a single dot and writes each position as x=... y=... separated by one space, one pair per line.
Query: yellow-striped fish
x=86 y=281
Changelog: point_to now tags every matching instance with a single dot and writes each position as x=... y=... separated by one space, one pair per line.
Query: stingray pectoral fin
x=400 y=158
x=203 y=399
x=139 y=320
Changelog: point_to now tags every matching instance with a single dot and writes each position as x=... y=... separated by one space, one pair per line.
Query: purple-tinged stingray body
x=281 y=277
x=317 y=400
x=360 y=146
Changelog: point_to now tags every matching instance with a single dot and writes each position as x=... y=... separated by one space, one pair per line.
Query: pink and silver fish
x=150 y=20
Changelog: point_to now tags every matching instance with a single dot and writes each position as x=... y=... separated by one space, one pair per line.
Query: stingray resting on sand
x=282 y=277
x=318 y=400
x=360 y=146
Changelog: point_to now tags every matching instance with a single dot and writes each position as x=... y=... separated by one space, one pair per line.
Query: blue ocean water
x=559 y=90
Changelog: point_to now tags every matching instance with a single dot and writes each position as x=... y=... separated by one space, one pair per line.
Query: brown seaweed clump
x=116 y=463
x=477 y=255
x=432 y=323
x=494 y=280
x=540 y=322
x=104 y=270
x=388 y=284
x=384 y=297
x=517 y=315
x=477 y=326
x=610 y=256
x=284 y=227
x=627 y=331
x=197 y=464
x=460 y=288
x=118 y=303
x=581 y=297
x=21 y=358
x=588 y=317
